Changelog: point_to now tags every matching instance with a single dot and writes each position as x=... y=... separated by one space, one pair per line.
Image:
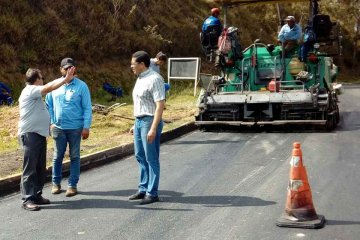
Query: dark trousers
x=34 y=165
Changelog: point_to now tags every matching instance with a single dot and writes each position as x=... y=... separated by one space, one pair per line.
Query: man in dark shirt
x=5 y=94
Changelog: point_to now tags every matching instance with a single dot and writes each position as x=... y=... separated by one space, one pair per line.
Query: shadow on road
x=338 y=222
x=106 y=203
x=349 y=121
x=219 y=201
x=201 y=142
x=165 y=197
x=120 y=193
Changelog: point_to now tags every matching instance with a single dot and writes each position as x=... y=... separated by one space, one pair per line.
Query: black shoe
x=31 y=206
x=42 y=201
x=149 y=199
x=137 y=196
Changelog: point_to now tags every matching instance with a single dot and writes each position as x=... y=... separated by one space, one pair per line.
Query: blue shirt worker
x=70 y=115
x=211 y=31
x=213 y=20
x=34 y=124
x=290 y=34
x=148 y=96
x=5 y=94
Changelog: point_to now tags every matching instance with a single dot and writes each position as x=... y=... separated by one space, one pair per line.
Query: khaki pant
x=290 y=45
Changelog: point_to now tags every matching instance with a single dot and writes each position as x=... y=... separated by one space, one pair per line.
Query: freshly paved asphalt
x=214 y=185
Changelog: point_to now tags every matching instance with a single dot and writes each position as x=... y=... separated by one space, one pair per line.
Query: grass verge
x=107 y=131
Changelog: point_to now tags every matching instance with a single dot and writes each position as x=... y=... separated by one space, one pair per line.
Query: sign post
x=184 y=69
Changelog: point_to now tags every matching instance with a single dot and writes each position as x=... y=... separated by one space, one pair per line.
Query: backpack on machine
x=229 y=47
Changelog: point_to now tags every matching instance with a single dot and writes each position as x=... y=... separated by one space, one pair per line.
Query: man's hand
x=131 y=131
x=151 y=135
x=69 y=74
x=85 y=133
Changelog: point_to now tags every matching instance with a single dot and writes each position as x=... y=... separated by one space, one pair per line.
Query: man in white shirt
x=148 y=96
x=290 y=34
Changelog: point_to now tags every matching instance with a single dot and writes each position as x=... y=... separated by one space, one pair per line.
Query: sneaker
x=137 y=196
x=30 y=206
x=149 y=199
x=42 y=201
x=70 y=192
x=56 y=189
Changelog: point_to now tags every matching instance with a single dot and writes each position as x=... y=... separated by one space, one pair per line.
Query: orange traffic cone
x=299 y=210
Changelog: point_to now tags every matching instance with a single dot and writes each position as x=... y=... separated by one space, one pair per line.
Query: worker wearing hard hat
x=211 y=31
x=213 y=20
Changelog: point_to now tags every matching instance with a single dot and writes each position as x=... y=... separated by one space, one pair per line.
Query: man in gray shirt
x=33 y=129
x=156 y=62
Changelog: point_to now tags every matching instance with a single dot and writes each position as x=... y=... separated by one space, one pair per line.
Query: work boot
x=149 y=199
x=42 y=201
x=56 y=189
x=71 y=191
x=30 y=206
x=137 y=196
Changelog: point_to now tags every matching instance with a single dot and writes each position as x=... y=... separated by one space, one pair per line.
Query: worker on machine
x=211 y=31
x=290 y=35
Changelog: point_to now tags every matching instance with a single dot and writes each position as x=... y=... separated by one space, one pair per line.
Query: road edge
x=11 y=183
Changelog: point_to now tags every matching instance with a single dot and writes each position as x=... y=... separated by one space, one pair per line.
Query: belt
x=140 y=117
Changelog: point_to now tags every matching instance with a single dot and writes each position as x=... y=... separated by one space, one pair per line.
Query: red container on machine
x=274 y=86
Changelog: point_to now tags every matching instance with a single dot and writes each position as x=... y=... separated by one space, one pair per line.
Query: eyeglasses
x=42 y=78
x=134 y=64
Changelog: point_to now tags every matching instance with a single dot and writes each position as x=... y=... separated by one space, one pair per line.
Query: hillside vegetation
x=102 y=34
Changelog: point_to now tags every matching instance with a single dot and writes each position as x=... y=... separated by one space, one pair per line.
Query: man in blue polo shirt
x=70 y=116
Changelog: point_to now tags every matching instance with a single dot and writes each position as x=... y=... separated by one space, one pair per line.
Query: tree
x=352 y=9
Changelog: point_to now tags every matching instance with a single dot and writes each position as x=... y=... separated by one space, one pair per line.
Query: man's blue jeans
x=61 y=138
x=147 y=155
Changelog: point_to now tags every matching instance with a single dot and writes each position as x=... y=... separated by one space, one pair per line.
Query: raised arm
x=56 y=84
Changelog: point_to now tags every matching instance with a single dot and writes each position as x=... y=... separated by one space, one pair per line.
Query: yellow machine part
x=296 y=66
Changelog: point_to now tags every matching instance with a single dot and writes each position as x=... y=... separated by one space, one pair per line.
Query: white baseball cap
x=288 y=18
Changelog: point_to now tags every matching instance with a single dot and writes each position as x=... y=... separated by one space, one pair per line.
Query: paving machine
x=263 y=86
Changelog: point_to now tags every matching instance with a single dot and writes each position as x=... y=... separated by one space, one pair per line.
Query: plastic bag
x=224 y=43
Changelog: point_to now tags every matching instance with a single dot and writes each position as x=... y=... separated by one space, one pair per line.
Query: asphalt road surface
x=214 y=185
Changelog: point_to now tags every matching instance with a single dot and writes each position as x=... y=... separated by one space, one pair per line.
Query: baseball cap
x=67 y=62
x=161 y=56
x=288 y=18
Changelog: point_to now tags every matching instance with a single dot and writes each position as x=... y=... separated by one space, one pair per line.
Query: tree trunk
x=356 y=39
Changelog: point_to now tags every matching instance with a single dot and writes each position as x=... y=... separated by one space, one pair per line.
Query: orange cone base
x=287 y=221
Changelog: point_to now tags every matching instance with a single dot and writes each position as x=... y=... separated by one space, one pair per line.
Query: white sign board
x=184 y=68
